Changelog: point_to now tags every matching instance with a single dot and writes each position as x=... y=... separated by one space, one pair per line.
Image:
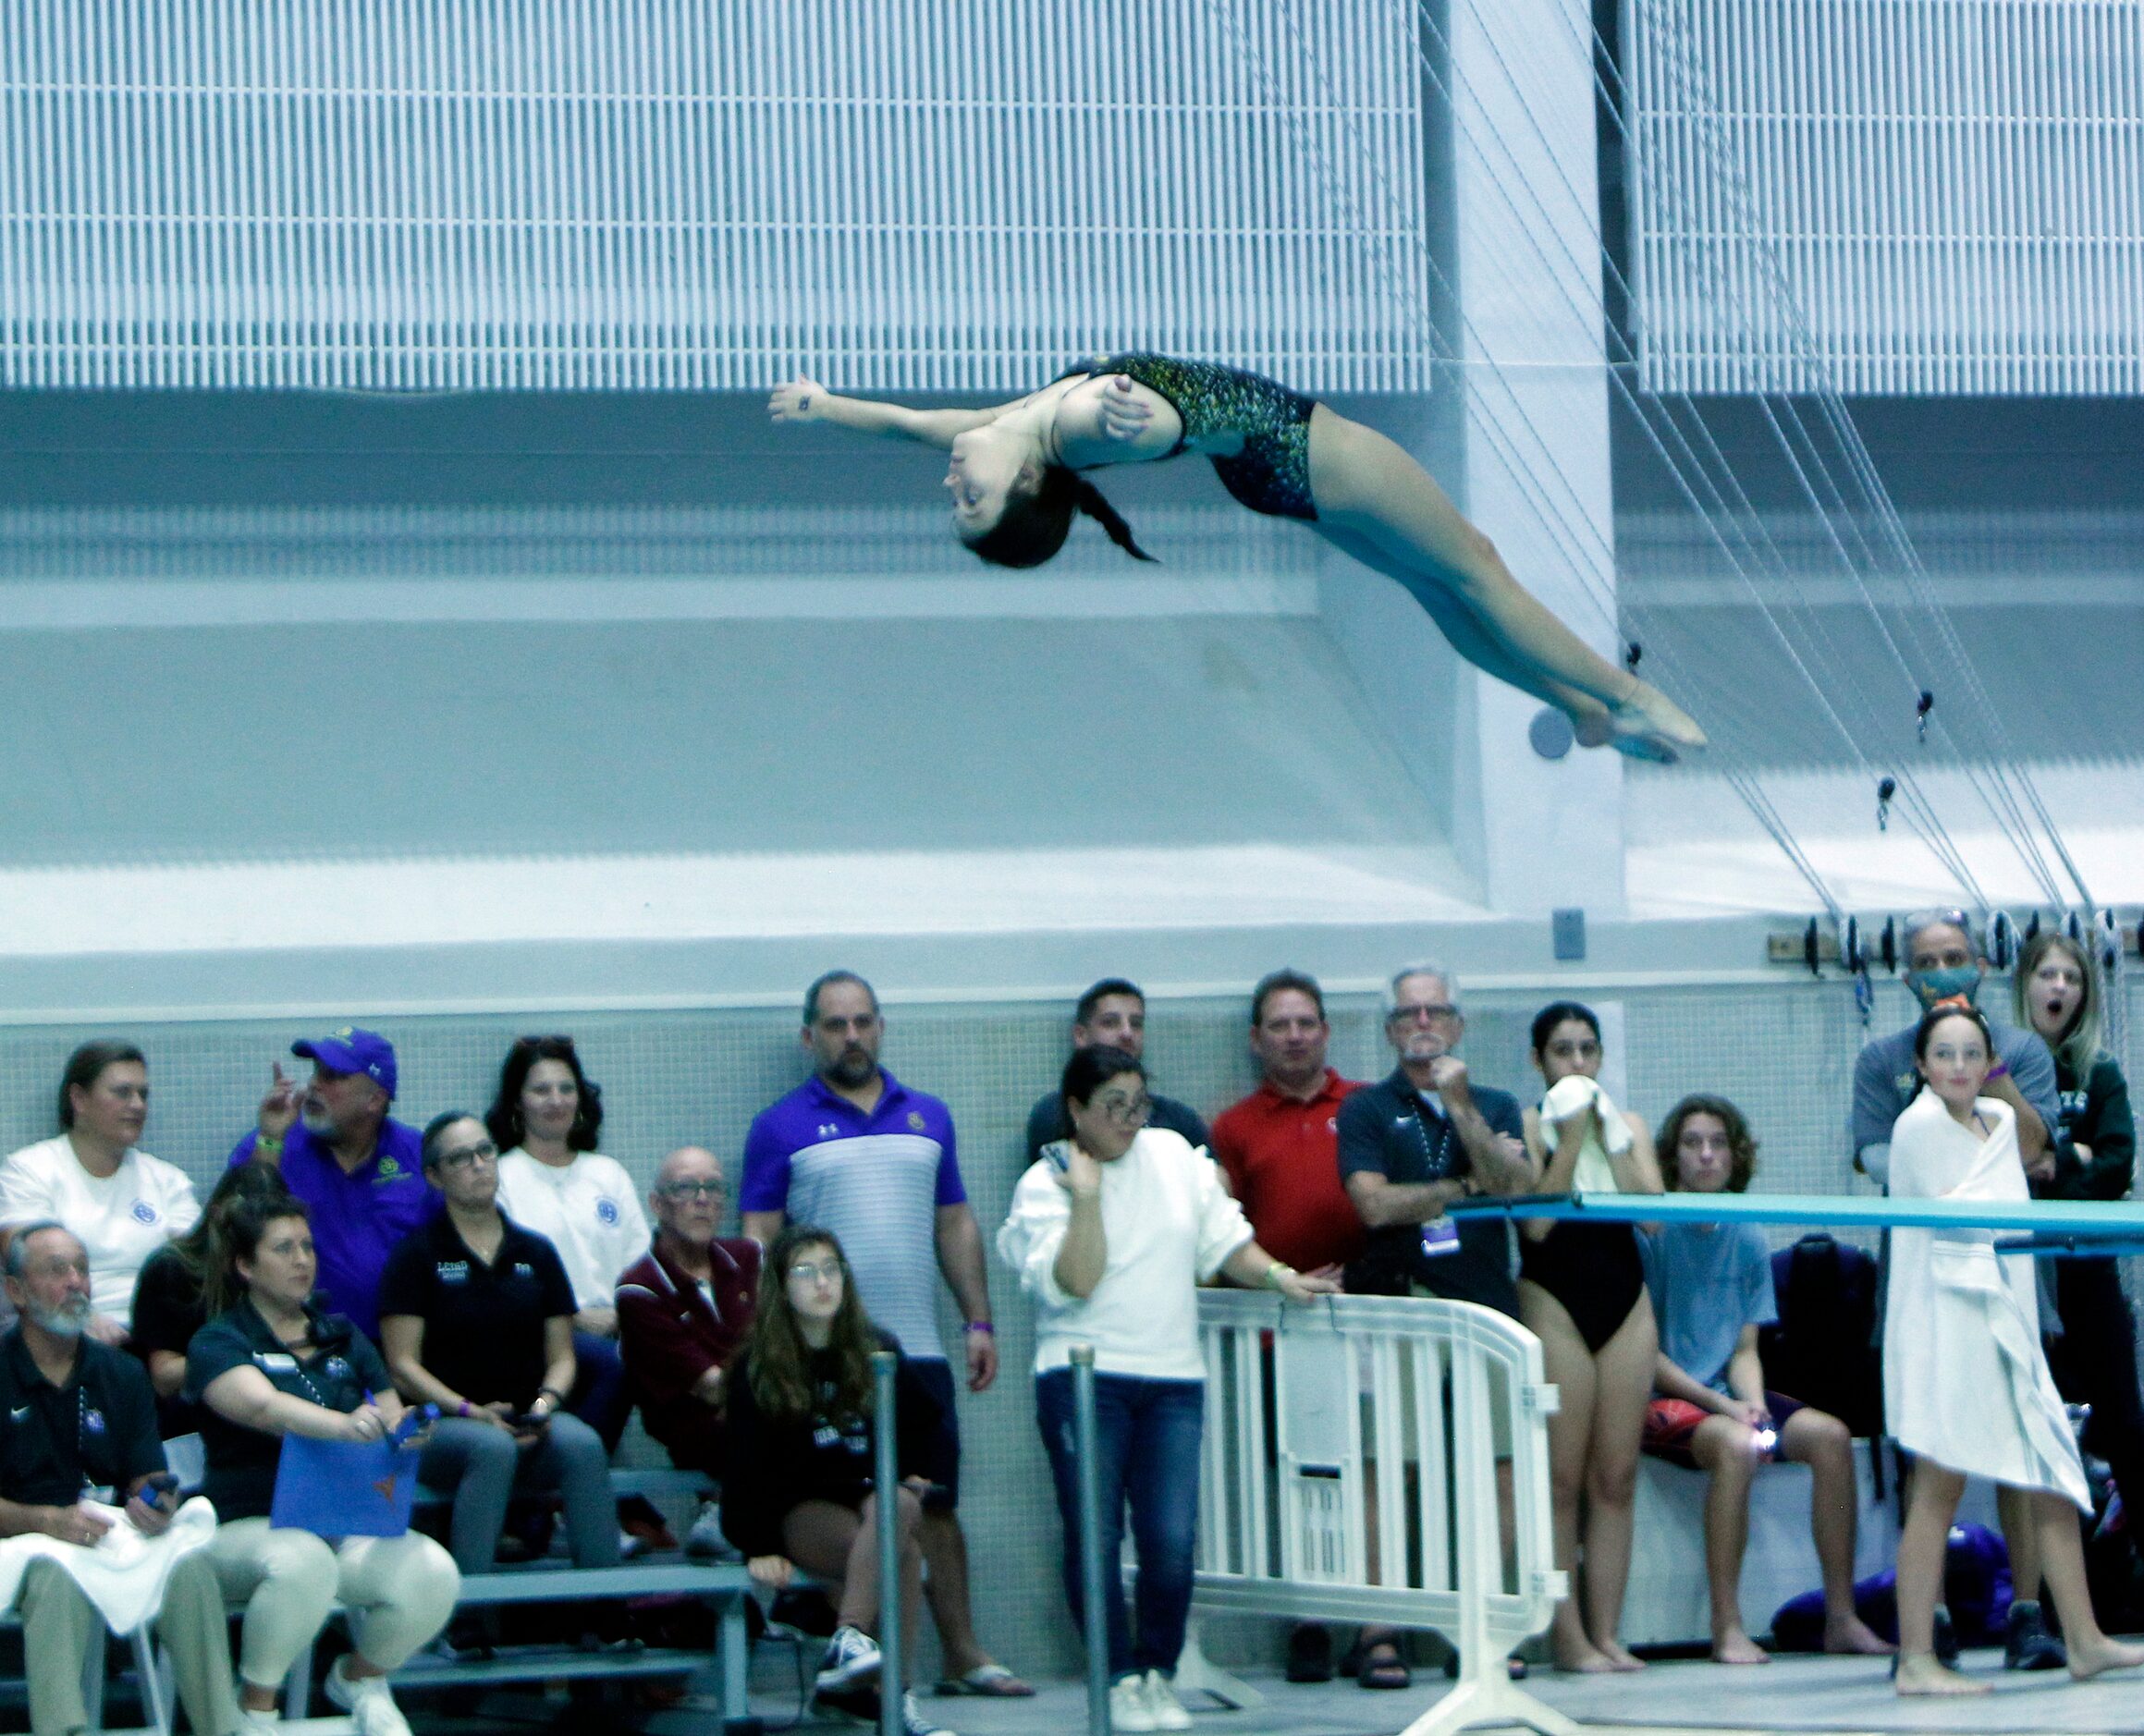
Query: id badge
x=1440 y=1237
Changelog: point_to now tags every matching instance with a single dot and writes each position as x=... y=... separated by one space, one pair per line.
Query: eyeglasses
x=1125 y=1108
x=1416 y=1012
x=464 y=1157
x=693 y=1189
x=813 y=1273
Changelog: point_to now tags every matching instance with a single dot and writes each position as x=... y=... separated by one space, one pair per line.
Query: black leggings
x=2095 y=1363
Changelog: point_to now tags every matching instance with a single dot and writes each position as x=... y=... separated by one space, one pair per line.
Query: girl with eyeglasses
x=1112 y=1232
x=798 y=1491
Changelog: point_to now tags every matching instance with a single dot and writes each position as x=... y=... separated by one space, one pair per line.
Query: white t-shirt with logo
x=589 y=1211
x=122 y=1218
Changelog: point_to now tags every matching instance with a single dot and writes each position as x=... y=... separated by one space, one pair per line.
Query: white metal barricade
x=1349 y=1472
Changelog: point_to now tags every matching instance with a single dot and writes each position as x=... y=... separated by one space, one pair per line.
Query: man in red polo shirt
x=1279 y=1148
x=1281 y=1145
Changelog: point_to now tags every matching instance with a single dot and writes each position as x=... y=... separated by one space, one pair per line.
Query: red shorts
x=1672 y=1422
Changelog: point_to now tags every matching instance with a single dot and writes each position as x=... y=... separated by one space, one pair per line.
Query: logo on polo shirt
x=524 y=1269
x=389 y=1168
x=335 y=1368
x=829 y=1130
x=916 y=1121
x=453 y=1271
x=94 y=1421
x=17 y=1414
x=1333 y=1124
x=144 y=1213
x=607 y=1211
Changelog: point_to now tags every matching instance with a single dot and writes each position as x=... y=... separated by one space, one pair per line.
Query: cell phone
x=415 y=1417
x=1058 y=1155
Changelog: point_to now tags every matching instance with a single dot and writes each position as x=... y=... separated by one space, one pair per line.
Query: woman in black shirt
x=271 y=1365
x=477 y=1316
x=2093 y=1157
x=797 y=1491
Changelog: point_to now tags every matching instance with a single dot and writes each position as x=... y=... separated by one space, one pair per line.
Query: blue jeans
x=1147 y=1439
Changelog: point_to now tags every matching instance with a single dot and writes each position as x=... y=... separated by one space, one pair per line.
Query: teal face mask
x=1960 y=982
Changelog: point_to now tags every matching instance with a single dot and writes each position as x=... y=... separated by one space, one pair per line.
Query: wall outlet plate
x=1567 y=928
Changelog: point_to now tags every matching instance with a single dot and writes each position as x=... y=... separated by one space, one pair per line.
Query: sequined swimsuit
x=1272 y=474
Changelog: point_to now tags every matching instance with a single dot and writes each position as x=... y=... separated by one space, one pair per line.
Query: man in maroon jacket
x=682 y=1310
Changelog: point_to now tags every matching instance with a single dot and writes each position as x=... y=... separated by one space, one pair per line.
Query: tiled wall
x=1783 y=1052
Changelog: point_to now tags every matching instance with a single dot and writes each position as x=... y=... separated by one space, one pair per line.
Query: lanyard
x=1434 y=1159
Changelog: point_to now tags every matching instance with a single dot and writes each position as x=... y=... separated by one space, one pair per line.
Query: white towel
x=1573 y=1092
x=124 y=1572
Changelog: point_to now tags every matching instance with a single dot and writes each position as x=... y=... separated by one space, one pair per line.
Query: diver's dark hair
x=1034 y=527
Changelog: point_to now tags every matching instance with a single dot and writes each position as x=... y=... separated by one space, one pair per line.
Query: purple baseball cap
x=351 y=1050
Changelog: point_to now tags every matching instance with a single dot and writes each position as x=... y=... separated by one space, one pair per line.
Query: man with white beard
x=78 y=1416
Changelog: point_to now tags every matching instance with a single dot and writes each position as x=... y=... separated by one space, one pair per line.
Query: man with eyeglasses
x=682 y=1309
x=1409 y=1145
x=1413 y=1143
x=856 y=1152
x=361 y=1170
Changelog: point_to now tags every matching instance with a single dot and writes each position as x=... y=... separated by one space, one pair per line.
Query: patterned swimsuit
x=1272 y=474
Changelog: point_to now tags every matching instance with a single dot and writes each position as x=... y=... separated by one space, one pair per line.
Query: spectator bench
x=726 y=1585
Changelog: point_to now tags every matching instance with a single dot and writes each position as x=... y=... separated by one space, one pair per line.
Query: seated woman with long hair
x=273 y=1365
x=1016 y=483
x=798 y=1490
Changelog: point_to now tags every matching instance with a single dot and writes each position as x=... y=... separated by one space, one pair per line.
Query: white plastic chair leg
x=156 y=1705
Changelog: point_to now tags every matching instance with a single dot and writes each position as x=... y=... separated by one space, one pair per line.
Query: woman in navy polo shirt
x=273 y=1365
x=476 y=1314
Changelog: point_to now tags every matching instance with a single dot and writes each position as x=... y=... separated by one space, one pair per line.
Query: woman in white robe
x=1966 y=1386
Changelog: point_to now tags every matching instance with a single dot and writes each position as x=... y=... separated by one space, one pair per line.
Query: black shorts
x=935 y=1375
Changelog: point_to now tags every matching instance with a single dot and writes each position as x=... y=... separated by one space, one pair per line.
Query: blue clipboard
x=346 y=1489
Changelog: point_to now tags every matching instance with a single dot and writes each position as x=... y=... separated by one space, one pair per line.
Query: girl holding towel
x=1966 y=1386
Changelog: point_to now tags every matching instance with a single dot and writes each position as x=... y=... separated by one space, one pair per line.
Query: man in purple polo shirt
x=359 y=1171
x=854 y=1151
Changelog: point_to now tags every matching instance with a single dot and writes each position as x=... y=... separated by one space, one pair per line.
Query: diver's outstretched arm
x=1377 y=504
x=808 y=400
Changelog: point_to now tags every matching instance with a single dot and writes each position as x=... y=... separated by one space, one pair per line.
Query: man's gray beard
x=317 y=1122
x=68 y=1321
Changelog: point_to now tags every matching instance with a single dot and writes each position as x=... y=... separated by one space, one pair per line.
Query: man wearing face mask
x=1943 y=964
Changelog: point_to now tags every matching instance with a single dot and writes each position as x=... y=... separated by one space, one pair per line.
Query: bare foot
x=1736 y=1647
x=1923 y=1674
x=1622 y=1657
x=1853 y=1635
x=2093 y=1657
x=1650 y=726
x=1585 y=1663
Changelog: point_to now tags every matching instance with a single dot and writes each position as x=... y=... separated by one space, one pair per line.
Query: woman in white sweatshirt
x=1111 y=1232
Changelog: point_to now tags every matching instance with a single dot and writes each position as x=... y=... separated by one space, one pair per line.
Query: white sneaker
x=705 y=1541
x=372 y=1711
x=851 y=1655
x=1128 y=1710
x=913 y=1723
x=1169 y=1712
x=258 y=1723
